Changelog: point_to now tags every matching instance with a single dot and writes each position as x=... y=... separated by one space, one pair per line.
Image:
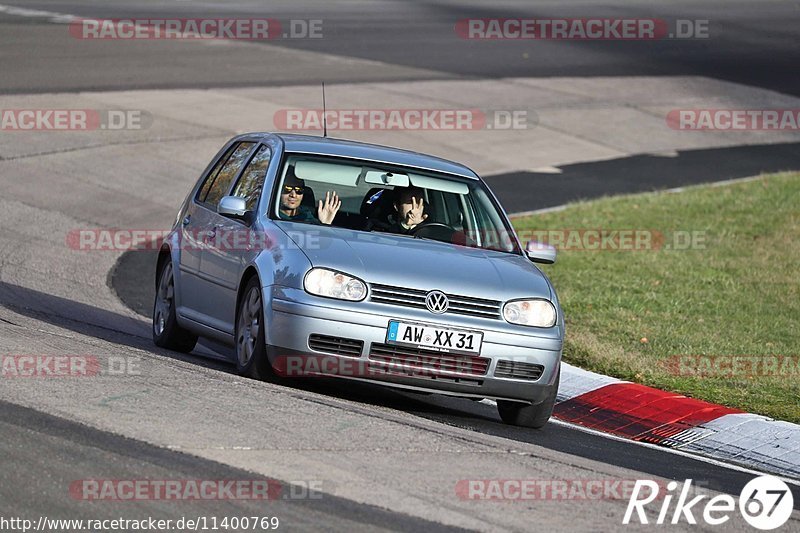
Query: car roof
x=311 y=144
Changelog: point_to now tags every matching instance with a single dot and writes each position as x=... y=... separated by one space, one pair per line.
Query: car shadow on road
x=94 y=322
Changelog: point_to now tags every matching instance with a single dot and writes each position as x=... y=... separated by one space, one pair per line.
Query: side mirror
x=541 y=253
x=232 y=206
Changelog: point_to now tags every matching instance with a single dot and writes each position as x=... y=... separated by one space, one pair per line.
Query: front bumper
x=294 y=315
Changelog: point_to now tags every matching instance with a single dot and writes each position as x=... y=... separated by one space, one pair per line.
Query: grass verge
x=708 y=307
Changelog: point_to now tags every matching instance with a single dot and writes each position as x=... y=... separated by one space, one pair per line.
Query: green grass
x=630 y=313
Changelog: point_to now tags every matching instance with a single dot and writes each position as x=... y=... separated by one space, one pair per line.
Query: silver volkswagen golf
x=321 y=257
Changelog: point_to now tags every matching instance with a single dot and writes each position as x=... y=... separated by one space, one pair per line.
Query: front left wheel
x=251 y=348
x=167 y=333
x=531 y=416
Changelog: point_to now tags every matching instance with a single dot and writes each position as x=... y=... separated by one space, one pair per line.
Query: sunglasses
x=288 y=189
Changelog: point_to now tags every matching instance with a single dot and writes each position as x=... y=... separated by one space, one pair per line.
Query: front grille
x=335 y=345
x=415 y=298
x=381 y=371
x=427 y=362
x=518 y=370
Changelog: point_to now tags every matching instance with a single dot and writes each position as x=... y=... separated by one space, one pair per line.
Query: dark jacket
x=304 y=214
x=394 y=226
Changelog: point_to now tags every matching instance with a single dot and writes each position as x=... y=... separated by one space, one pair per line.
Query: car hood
x=420 y=264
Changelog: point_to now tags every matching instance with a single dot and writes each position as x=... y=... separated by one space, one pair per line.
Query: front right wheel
x=531 y=416
x=251 y=348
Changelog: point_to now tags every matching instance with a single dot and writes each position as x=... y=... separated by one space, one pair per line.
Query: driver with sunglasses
x=292 y=200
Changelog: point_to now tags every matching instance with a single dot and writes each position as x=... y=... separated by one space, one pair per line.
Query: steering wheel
x=419 y=227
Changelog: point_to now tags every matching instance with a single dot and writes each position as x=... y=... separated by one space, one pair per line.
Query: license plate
x=434 y=337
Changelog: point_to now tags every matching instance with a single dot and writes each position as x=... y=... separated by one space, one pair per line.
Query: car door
x=202 y=223
x=225 y=256
x=193 y=228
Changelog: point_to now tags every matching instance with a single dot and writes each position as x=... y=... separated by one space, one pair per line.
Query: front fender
x=281 y=261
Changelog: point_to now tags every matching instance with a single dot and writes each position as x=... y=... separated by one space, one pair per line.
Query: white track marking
x=701 y=458
x=51 y=16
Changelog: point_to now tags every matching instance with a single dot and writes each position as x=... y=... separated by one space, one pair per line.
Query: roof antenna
x=324 y=118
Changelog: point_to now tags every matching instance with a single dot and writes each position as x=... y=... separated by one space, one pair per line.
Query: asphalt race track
x=77 y=448
x=753 y=44
x=382 y=459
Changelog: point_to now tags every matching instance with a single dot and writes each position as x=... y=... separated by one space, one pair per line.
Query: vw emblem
x=436 y=302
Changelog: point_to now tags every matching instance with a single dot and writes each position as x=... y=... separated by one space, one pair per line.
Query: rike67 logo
x=765 y=503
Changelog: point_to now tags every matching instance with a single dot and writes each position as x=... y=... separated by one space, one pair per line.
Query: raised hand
x=415 y=215
x=326 y=211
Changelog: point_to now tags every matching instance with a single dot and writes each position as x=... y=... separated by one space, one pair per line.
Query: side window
x=224 y=179
x=453 y=210
x=203 y=191
x=252 y=179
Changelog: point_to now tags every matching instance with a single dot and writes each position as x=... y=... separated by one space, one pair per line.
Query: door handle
x=187 y=219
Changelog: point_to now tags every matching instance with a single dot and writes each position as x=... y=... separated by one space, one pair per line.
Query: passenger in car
x=292 y=207
x=409 y=204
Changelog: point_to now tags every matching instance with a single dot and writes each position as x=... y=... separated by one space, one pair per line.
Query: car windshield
x=374 y=197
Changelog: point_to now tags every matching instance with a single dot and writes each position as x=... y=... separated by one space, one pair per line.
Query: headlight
x=332 y=284
x=538 y=313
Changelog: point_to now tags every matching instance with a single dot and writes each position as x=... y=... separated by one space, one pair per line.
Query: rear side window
x=219 y=181
x=203 y=192
x=252 y=180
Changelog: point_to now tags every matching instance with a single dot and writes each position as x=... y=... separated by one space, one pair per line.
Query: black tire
x=251 y=349
x=526 y=415
x=167 y=333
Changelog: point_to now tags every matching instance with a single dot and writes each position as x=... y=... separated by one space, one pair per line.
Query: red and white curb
x=645 y=414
